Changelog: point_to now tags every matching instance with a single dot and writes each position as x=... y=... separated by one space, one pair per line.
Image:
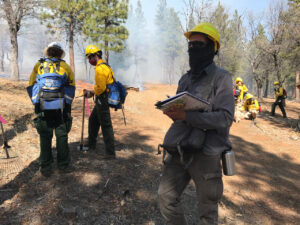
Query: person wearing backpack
x=100 y=115
x=279 y=99
x=52 y=89
x=200 y=136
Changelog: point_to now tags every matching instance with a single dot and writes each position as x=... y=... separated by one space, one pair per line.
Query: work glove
x=88 y=93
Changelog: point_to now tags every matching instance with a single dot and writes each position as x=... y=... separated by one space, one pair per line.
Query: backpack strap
x=104 y=63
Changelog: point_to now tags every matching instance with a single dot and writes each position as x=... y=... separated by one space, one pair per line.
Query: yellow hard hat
x=209 y=30
x=276 y=83
x=248 y=96
x=238 y=79
x=91 y=49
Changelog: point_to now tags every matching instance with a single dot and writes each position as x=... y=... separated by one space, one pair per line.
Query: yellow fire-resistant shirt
x=64 y=69
x=249 y=105
x=103 y=76
x=279 y=92
x=243 y=89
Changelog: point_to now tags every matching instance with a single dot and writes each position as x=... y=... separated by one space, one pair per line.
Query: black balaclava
x=200 y=56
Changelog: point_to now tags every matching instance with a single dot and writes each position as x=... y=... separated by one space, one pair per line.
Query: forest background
x=259 y=47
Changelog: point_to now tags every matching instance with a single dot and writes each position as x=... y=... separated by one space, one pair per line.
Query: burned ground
x=266 y=189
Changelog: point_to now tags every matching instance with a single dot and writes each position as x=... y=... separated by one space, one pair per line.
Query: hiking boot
x=66 y=169
x=46 y=173
x=90 y=146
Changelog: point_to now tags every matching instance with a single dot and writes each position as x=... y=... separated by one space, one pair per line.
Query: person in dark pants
x=279 y=99
x=209 y=82
x=52 y=77
x=100 y=115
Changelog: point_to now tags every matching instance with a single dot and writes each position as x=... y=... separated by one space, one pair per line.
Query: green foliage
x=168 y=31
x=106 y=24
x=59 y=15
x=231 y=38
x=160 y=16
x=174 y=40
x=291 y=50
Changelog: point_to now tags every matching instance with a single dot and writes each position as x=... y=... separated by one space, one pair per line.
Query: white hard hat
x=55 y=45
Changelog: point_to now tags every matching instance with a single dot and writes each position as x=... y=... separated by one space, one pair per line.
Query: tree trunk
x=106 y=52
x=267 y=86
x=261 y=92
x=172 y=70
x=136 y=79
x=2 y=61
x=297 y=82
x=14 y=55
x=277 y=69
x=71 y=45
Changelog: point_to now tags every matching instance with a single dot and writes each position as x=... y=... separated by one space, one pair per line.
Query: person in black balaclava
x=201 y=53
x=201 y=163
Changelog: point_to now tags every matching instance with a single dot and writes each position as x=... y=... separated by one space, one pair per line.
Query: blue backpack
x=117 y=93
x=51 y=89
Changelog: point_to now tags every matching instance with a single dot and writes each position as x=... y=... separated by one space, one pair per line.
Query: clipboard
x=183 y=100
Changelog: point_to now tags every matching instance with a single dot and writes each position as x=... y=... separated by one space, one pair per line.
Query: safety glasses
x=196 y=44
x=91 y=56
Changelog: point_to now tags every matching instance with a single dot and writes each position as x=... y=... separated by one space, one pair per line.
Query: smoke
x=142 y=61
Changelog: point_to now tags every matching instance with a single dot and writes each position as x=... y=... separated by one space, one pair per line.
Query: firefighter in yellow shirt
x=100 y=115
x=241 y=87
x=250 y=107
x=279 y=99
x=52 y=89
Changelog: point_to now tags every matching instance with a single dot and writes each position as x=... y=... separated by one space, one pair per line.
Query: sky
x=256 y=6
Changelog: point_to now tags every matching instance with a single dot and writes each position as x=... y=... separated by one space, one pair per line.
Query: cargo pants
x=206 y=173
x=279 y=102
x=45 y=123
x=100 y=116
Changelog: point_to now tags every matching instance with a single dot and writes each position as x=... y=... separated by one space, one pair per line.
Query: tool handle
x=82 y=126
x=123 y=112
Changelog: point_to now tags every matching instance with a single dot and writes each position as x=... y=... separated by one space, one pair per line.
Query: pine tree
x=173 y=42
x=160 y=34
x=220 y=19
x=291 y=50
x=160 y=17
x=257 y=58
x=169 y=39
x=105 y=24
x=137 y=40
x=65 y=17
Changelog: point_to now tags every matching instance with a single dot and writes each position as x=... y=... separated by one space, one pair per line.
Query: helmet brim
x=45 y=52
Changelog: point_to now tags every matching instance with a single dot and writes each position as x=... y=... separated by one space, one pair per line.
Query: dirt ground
x=265 y=190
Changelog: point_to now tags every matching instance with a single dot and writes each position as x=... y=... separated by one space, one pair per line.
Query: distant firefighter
x=280 y=98
x=240 y=89
x=250 y=107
